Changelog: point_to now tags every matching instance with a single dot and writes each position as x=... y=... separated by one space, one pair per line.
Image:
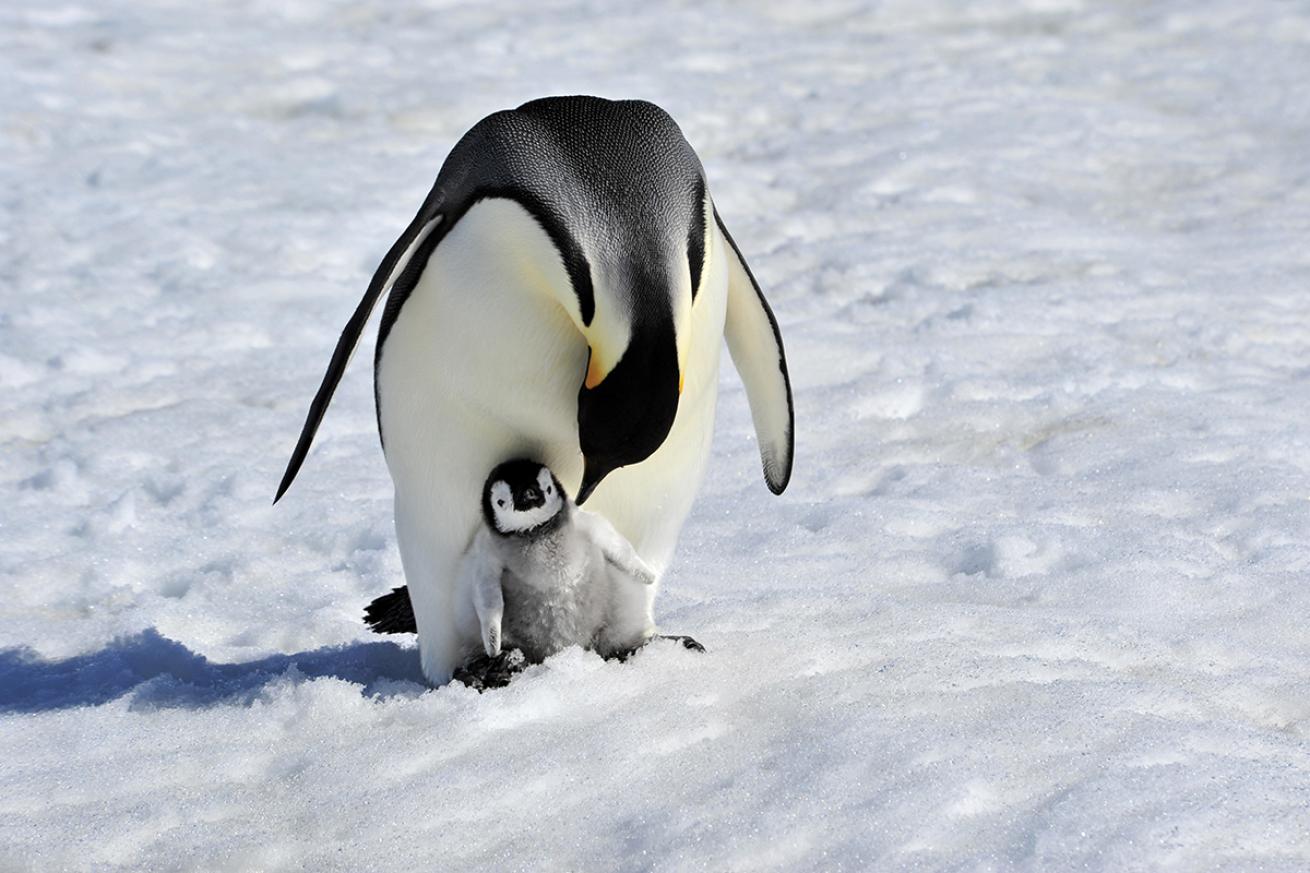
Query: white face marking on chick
x=529 y=508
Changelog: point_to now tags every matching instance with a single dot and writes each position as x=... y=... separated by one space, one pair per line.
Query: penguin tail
x=391 y=613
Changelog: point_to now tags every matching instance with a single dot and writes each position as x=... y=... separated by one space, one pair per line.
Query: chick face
x=521 y=496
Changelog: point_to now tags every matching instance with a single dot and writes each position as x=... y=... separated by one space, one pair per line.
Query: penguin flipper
x=398 y=257
x=391 y=613
x=756 y=348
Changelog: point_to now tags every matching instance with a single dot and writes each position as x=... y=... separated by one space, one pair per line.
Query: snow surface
x=1036 y=598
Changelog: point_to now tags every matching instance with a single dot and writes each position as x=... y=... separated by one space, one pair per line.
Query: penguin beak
x=591 y=476
x=595 y=372
x=624 y=415
x=532 y=498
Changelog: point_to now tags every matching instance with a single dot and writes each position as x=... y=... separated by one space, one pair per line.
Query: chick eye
x=500 y=503
x=550 y=490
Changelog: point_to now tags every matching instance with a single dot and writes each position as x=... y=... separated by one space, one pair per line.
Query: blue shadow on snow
x=160 y=672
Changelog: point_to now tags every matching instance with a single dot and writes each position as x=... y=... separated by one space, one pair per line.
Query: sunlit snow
x=1036 y=598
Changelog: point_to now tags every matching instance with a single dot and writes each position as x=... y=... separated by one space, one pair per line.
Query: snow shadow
x=160 y=672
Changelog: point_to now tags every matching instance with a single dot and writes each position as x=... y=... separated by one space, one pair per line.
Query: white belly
x=483 y=365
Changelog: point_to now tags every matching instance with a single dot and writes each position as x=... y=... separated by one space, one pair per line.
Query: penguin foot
x=391 y=613
x=487 y=671
x=687 y=643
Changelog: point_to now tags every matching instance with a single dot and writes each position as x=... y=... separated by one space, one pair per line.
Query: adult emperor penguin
x=561 y=294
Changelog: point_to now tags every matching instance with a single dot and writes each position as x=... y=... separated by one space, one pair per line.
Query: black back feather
x=391 y=613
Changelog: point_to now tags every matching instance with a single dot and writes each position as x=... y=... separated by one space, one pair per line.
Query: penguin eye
x=550 y=489
x=500 y=503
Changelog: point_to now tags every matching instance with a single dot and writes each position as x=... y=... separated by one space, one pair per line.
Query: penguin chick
x=542 y=574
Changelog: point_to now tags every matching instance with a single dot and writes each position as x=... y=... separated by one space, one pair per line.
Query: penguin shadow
x=161 y=673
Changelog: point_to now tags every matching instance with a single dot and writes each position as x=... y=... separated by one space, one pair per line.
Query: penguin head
x=640 y=334
x=625 y=413
x=622 y=196
x=522 y=498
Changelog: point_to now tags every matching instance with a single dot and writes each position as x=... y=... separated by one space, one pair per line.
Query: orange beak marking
x=594 y=375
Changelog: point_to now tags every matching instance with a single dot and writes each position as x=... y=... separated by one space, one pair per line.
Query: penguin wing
x=396 y=267
x=756 y=348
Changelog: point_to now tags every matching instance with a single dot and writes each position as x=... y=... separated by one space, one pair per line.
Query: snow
x=1035 y=599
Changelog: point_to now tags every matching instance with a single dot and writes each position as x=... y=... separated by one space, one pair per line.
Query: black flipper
x=755 y=344
x=391 y=613
x=386 y=272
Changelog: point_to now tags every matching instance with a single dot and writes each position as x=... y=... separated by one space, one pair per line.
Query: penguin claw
x=687 y=642
x=488 y=671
